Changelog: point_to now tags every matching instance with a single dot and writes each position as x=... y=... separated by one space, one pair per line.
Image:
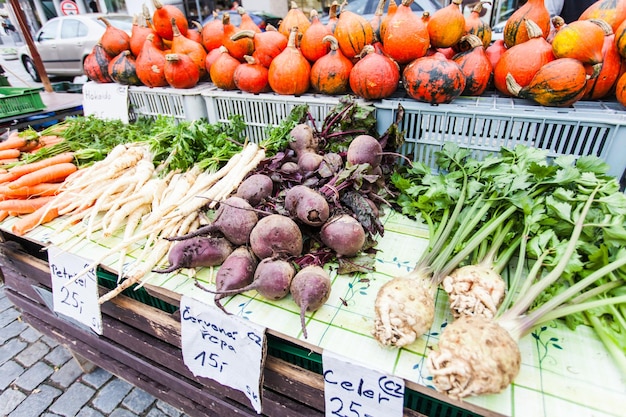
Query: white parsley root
x=405 y=310
x=475 y=356
x=474 y=290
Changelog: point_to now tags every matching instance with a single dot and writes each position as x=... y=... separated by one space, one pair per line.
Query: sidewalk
x=39 y=377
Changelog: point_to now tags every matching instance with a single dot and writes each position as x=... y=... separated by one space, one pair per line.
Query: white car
x=64 y=42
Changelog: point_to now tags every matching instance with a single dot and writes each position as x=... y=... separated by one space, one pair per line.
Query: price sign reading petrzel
x=225 y=348
x=354 y=390
x=75 y=298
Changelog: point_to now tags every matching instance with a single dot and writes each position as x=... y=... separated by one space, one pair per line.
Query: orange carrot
x=13 y=142
x=37 y=190
x=24 y=206
x=42 y=215
x=10 y=153
x=19 y=170
x=51 y=173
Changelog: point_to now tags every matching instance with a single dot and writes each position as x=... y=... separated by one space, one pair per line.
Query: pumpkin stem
x=157 y=4
x=596 y=71
x=175 y=28
x=105 y=21
x=334 y=45
x=479 y=7
x=533 y=29
x=471 y=40
x=512 y=85
x=244 y=34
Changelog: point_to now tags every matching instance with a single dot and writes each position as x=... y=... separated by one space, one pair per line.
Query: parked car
x=367 y=8
x=64 y=42
x=261 y=18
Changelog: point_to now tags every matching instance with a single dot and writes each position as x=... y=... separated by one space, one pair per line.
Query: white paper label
x=225 y=348
x=106 y=100
x=354 y=390
x=78 y=299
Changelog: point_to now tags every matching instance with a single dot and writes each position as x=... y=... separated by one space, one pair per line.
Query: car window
x=49 y=31
x=356 y=6
x=73 y=29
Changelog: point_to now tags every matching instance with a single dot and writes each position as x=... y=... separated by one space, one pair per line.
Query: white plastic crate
x=487 y=123
x=262 y=110
x=179 y=103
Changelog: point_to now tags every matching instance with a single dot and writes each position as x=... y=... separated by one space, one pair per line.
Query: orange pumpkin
x=295 y=17
x=162 y=20
x=246 y=21
x=114 y=40
x=612 y=12
x=559 y=83
x=251 y=76
x=332 y=16
x=377 y=19
x=384 y=22
x=515 y=28
x=183 y=45
x=433 y=79
x=290 y=72
x=311 y=44
x=236 y=48
x=213 y=33
x=474 y=25
x=620 y=89
x=406 y=35
x=446 y=26
x=523 y=60
x=331 y=73
x=374 y=76
x=353 y=32
x=195 y=32
x=495 y=51
x=123 y=69
x=620 y=39
x=267 y=45
x=601 y=83
x=138 y=36
x=180 y=71
x=150 y=64
x=582 y=40
x=96 y=65
x=475 y=65
x=222 y=70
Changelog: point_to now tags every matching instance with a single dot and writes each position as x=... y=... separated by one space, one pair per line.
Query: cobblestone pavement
x=39 y=377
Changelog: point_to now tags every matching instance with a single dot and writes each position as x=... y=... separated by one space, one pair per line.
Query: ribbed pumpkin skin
x=353 y=32
x=515 y=29
x=123 y=70
x=331 y=73
x=405 y=36
x=251 y=77
x=602 y=84
x=559 y=83
x=223 y=69
x=523 y=61
x=150 y=64
x=582 y=40
x=180 y=71
x=290 y=72
x=433 y=79
x=374 y=76
x=446 y=26
x=620 y=89
x=96 y=65
x=612 y=12
x=475 y=66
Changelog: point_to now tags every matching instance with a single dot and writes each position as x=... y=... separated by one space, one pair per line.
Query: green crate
x=109 y=280
x=16 y=100
x=67 y=87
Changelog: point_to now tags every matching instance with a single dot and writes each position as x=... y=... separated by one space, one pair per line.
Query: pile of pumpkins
x=434 y=57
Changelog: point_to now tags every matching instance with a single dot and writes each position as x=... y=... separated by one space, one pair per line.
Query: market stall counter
x=141 y=339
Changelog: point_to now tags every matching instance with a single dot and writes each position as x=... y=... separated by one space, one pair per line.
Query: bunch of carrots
x=25 y=187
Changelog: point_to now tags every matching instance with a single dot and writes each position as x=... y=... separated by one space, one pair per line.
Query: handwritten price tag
x=227 y=349
x=353 y=390
x=78 y=299
x=106 y=101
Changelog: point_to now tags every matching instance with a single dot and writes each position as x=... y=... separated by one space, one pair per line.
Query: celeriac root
x=474 y=290
x=475 y=356
x=405 y=310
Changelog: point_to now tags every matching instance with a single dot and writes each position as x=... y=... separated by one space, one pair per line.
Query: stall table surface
x=564 y=372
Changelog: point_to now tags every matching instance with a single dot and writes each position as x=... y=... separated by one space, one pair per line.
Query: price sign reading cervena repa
x=225 y=348
x=74 y=297
x=354 y=390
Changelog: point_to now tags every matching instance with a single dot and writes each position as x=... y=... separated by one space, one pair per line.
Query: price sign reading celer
x=225 y=348
x=75 y=298
x=354 y=390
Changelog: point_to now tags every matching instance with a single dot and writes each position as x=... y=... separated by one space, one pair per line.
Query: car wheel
x=29 y=65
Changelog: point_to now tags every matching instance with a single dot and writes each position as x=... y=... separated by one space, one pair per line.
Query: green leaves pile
x=539 y=199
